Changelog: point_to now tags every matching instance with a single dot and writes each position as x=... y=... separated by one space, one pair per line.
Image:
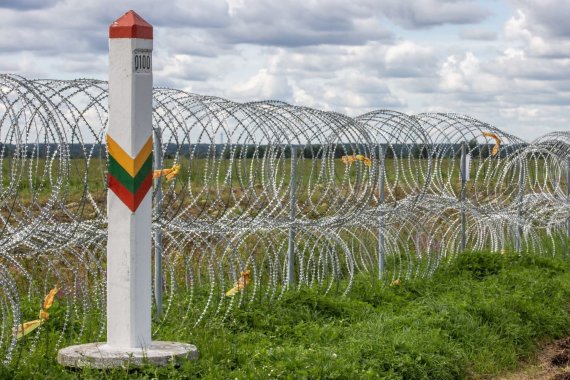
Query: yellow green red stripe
x=130 y=183
x=129 y=178
x=131 y=165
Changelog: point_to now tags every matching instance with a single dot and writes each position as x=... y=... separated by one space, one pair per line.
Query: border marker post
x=129 y=203
x=129 y=210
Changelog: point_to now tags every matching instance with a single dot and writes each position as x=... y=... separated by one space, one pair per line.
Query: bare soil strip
x=553 y=364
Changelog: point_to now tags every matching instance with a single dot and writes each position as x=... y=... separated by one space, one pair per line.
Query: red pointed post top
x=130 y=25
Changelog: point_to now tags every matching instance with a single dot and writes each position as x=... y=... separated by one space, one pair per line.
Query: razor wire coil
x=379 y=179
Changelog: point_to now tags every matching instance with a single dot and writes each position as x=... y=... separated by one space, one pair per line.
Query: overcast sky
x=506 y=62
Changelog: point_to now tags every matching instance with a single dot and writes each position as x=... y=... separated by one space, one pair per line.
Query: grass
x=212 y=186
x=478 y=316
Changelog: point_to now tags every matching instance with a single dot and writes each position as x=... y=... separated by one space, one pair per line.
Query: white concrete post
x=129 y=207
x=129 y=210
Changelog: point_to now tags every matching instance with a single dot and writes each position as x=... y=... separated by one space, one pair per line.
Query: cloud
x=536 y=35
x=326 y=77
x=522 y=94
x=302 y=23
x=346 y=56
x=26 y=65
x=263 y=85
x=548 y=17
x=458 y=74
x=517 y=64
x=27 y=4
x=194 y=42
x=408 y=59
x=203 y=14
x=89 y=64
x=183 y=68
x=478 y=34
x=420 y=14
x=353 y=91
x=351 y=98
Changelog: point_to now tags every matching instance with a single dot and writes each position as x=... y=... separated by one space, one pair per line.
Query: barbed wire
x=379 y=194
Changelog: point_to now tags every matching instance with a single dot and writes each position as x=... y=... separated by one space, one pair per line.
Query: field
x=354 y=271
x=205 y=181
x=478 y=316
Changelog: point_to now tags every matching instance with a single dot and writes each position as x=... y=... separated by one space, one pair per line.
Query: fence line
x=261 y=186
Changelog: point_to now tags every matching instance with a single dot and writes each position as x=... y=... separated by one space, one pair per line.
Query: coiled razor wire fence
x=260 y=184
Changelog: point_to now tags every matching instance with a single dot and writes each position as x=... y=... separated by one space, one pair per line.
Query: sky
x=505 y=62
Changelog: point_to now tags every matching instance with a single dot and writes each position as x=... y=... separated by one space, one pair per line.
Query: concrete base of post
x=101 y=356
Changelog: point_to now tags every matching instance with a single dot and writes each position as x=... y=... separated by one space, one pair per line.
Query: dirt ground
x=553 y=364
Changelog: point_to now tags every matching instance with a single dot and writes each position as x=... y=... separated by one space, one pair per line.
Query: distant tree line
x=316 y=151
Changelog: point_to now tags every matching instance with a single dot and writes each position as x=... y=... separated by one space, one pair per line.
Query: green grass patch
x=478 y=316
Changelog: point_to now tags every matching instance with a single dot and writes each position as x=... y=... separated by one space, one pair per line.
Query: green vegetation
x=478 y=316
x=205 y=177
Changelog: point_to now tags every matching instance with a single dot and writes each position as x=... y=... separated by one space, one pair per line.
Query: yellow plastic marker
x=497 y=142
x=170 y=174
x=240 y=285
x=30 y=326
x=359 y=157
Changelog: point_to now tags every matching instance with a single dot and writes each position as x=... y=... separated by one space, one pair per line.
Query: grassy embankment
x=478 y=316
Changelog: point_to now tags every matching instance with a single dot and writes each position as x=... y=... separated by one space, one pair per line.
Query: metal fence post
x=462 y=196
x=568 y=192
x=157 y=156
x=292 y=215
x=568 y=199
x=381 y=243
x=518 y=232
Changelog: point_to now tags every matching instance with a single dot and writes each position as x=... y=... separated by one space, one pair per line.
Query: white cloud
x=301 y=23
x=346 y=56
x=478 y=34
x=536 y=38
x=184 y=67
x=458 y=75
x=546 y=17
x=263 y=85
x=408 y=59
x=27 y=4
x=417 y=14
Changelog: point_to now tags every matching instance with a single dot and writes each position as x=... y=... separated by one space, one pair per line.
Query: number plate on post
x=142 y=61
